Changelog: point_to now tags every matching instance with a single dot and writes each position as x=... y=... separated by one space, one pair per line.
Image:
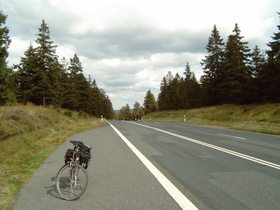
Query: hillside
x=263 y=118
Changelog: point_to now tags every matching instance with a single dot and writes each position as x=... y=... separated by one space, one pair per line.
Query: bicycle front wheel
x=71 y=181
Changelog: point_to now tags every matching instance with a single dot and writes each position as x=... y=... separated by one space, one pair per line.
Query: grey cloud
x=120 y=84
x=142 y=41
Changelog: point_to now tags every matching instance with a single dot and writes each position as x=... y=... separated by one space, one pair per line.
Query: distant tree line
x=150 y=105
x=127 y=114
x=40 y=78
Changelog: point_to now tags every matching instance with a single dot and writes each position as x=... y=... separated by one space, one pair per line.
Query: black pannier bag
x=85 y=156
x=68 y=156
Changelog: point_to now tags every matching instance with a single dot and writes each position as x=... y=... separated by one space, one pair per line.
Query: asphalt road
x=117 y=179
x=213 y=168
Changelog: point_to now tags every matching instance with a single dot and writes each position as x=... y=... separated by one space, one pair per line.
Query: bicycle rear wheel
x=71 y=182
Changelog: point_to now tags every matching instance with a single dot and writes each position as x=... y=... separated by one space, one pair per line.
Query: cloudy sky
x=128 y=46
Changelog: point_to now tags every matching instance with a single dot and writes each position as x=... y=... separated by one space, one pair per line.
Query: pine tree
x=78 y=95
x=257 y=60
x=186 y=88
x=107 y=108
x=179 y=93
x=122 y=113
x=65 y=81
x=136 y=111
x=175 y=93
x=127 y=112
x=213 y=67
x=213 y=61
x=48 y=85
x=162 y=97
x=150 y=102
x=270 y=75
x=109 y=112
x=42 y=80
x=39 y=72
x=99 y=102
x=256 y=64
x=165 y=95
x=191 y=89
x=236 y=72
x=274 y=52
x=7 y=94
x=96 y=99
x=26 y=75
x=4 y=42
x=76 y=80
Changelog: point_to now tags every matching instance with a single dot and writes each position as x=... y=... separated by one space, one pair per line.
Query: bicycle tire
x=71 y=182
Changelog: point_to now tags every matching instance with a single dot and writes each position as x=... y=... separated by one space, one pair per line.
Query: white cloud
x=16 y=49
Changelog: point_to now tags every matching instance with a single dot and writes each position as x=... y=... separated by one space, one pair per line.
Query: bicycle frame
x=75 y=158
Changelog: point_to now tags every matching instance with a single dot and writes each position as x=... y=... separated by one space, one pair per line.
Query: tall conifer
x=27 y=76
x=48 y=85
x=7 y=94
x=256 y=64
x=236 y=72
x=192 y=89
x=150 y=102
x=270 y=76
x=39 y=72
x=213 y=67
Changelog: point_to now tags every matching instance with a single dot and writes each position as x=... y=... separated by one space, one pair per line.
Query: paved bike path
x=117 y=179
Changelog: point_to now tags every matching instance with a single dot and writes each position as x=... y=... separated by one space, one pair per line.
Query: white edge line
x=237 y=154
x=176 y=194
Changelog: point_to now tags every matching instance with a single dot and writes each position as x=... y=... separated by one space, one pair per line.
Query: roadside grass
x=264 y=118
x=28 y=135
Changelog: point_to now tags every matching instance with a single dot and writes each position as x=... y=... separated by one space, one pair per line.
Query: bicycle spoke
x=71 y=182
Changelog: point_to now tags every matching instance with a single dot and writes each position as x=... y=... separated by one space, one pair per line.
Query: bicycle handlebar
x=81 y=144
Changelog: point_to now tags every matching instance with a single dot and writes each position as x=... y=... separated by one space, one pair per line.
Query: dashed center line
x=236 y=137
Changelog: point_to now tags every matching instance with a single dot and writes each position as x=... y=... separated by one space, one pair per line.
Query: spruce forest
x=233 y=74
x=41 y=79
